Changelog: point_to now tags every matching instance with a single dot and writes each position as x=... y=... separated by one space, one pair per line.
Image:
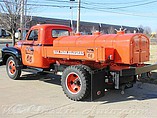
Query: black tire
x=82 y=83
x=88 y=73
x=87 y=68
x=13 y=71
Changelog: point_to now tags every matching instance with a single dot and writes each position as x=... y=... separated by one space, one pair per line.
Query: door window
x=33 y=35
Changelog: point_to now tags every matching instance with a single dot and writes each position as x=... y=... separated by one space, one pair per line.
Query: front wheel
x=11 y=68
x=75 y=83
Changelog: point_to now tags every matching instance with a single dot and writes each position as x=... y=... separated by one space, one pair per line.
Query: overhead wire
x=108 y=9
x=102 y=3
x=128 y=6
x=121 y=13
x=114 y=3
x=38 y=5
x=54 y=5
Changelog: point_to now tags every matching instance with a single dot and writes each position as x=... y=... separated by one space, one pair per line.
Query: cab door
x=31 y=49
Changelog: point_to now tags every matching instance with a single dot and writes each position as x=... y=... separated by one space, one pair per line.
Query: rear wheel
x=11 y=68
x=74 y=83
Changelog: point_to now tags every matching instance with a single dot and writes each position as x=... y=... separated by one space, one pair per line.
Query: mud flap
x=97 y=84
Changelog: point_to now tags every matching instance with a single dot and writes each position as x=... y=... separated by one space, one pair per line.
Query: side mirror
x=17 y=35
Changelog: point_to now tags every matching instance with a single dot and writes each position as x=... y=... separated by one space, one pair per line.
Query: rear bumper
x=122 y=78
x=137 y=70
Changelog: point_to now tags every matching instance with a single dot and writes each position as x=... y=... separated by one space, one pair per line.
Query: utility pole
x=25 y=14
x=78 y=16
x=71 y=8
x=13 y=20
x=22 y=18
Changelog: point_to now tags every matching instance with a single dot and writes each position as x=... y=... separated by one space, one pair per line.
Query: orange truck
x=90 y=64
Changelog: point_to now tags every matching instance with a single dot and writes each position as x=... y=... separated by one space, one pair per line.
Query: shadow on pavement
x=138 y=92
x=49 y=78
x=134 y=93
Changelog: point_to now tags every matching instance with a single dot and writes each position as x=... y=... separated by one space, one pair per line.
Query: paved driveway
x=40 y=96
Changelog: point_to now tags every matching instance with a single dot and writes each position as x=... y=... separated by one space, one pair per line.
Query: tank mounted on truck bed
x=90 y=63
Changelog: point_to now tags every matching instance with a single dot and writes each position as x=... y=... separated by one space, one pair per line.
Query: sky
x=132 y=13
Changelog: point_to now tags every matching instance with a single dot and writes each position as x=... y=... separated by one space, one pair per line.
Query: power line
x=51 y=1
x=95 y=7
x=89 y=8
x=122 y=13
x=103 y=9
x=128 y=6
x=102 y=3
x=39 y=5
x=46 y=5
x=111 y=3
x=60 y=1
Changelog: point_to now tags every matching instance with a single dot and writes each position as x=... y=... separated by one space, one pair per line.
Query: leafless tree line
x=10 y=11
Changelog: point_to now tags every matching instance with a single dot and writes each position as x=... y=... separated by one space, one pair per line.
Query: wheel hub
x=11 y=67
x=73 y=83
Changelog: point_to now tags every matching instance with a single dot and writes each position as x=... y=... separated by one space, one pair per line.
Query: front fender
x=10 y=51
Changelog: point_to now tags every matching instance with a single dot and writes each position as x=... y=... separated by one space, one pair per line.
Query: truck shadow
x=135 y=93
x=140 y=91
x=48 y=78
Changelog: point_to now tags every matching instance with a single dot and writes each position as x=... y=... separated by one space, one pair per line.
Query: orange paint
x=98 y=49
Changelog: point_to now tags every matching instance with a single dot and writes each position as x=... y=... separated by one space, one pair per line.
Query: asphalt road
x=40 y=96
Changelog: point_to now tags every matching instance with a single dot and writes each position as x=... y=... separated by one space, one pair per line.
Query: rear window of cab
x=60 y=32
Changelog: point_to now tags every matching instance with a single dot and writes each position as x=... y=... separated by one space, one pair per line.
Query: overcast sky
x=118 y=12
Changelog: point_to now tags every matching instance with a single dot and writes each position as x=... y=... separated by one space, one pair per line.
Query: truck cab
x=32 y=48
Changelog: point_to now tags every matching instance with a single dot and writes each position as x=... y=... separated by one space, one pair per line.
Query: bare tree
x=10 y=15
x=147 y=31
x=111 y=30
x=93 y=29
